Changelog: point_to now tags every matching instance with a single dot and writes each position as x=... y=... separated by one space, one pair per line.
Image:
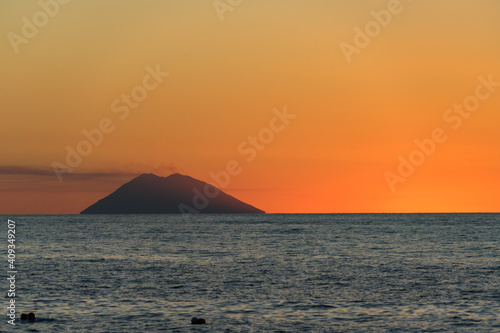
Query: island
x=175 y=194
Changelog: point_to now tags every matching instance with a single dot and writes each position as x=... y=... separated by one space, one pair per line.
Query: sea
x=254 y=273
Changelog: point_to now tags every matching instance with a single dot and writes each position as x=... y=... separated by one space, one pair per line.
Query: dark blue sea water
x=257 y=273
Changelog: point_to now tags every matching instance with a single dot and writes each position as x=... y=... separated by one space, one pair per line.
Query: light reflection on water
x=243 y=273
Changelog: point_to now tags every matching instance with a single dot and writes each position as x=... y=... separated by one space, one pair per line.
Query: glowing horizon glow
x=353 y=119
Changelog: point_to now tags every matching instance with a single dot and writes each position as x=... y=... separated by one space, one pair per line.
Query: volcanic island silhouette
x=175 y=194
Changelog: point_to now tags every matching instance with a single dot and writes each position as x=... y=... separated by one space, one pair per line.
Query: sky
x=322 y=106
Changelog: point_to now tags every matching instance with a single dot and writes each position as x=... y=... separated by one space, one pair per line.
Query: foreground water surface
x=257 y=273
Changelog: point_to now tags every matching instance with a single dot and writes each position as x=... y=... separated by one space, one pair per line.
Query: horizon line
x=338 y=213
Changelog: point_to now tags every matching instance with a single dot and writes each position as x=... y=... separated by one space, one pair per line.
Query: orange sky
x=69 y=68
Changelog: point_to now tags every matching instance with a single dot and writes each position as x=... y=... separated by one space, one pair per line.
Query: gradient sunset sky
x=229 y=66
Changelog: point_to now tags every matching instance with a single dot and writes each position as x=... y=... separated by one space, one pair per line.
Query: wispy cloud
x=15 y=170
x=164 y=169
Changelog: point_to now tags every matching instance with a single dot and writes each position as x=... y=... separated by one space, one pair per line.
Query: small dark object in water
x=198 y=321
x=30 y=316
